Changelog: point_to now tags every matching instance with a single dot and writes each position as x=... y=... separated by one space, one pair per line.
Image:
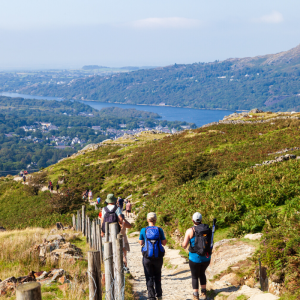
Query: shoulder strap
x=106 y=209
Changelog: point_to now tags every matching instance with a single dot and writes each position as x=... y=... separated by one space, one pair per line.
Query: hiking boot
x=195 y=296
x=159 y=298
x=203 y=295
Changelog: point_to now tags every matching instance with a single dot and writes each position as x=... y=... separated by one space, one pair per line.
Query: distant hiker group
x=152 y=239
x=50 y=187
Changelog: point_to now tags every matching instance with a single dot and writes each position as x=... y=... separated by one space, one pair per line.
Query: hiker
x=51 y=188
x=199 y=256
x=152 y=238
x=98 y=200
x=85 y=194
x=57 y=187
x=128 y=209
x=49 y=185
x=90 y=194
x=124 y=225
x=24 y=178
x=120 y=203
x=111 y=213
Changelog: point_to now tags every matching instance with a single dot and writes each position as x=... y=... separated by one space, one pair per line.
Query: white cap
x=197 y=217
x=151 y=216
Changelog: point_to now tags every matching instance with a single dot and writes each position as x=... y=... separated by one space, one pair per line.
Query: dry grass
x=16 y=259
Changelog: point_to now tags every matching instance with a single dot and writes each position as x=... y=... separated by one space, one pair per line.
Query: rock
x=250 y=282
x=43 y=276
x=230 y=279
x=57 y=273
x=226 y=253
x=51 y=238
x=59 y=226
x=64 y=279
x=63 y=251
x=53 y=230
x=254 y=236
x=246 y=291
x=222 y=242
x=276 y=278
x=7 y=284
x=264 y=296
x=27 y=278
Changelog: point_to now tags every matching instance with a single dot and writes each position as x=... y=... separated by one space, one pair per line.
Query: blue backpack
x=153 y=248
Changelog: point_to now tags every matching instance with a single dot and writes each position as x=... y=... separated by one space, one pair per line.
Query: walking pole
x=213 y=231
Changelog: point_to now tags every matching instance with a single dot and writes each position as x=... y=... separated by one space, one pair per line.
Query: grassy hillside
x=270 y=81
x=208 y=170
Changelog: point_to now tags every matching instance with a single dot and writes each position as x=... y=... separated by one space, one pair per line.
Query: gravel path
x=176 y=276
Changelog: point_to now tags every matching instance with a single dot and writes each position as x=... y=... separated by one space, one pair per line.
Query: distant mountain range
x=269 y=82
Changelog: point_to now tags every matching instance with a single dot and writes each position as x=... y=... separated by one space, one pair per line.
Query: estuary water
x=198 y=116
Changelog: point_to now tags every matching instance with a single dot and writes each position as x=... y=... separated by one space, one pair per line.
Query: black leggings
x=198 y=272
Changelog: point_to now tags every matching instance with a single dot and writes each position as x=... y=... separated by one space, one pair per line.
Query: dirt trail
x=176 y=276
x=176 y=281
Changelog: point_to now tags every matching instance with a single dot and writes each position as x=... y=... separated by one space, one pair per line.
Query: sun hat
x=197 y=217
x=110 y=198
x=151 y=216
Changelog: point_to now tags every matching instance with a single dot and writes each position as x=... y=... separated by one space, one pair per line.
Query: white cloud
x=158 y=23
x=274 y=17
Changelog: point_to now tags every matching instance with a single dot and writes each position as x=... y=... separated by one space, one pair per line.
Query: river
x=197 y=116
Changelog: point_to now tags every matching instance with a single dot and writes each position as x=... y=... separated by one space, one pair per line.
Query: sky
x=45 y=34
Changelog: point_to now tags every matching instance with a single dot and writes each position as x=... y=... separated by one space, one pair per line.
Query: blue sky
x=70 y=34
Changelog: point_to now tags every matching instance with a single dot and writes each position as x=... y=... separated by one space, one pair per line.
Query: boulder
x=246 y=291
x=253 y=236
x=51 y=238
x=227 y=253
x=264 y=296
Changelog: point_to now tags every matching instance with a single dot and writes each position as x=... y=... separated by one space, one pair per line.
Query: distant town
x=62 y=142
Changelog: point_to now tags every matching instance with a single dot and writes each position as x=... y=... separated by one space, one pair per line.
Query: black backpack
x=110 y=217
x=202 y=234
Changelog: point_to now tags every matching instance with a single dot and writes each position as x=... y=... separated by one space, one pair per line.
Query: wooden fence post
x=106 y=232
x=91 y=234
x=78 y=221
x=113 y=231
x=83 y=220
x=94 y=271
x=119 y=270
x=94 y=235
x=74 y=221
x=100 y=241
x=87 y=229
x=109 y=272
x=29 y=291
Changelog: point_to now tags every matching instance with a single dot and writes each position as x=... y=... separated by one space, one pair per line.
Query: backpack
x=202 y=234
x=110 y=217
x=98 y=200
x=153 y=248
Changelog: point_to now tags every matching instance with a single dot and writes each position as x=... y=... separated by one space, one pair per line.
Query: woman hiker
x=199 y=256
x=152 y=238
x=124 y=225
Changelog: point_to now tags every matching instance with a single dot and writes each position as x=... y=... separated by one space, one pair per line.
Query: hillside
x=268 y=82
x=242 y=171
